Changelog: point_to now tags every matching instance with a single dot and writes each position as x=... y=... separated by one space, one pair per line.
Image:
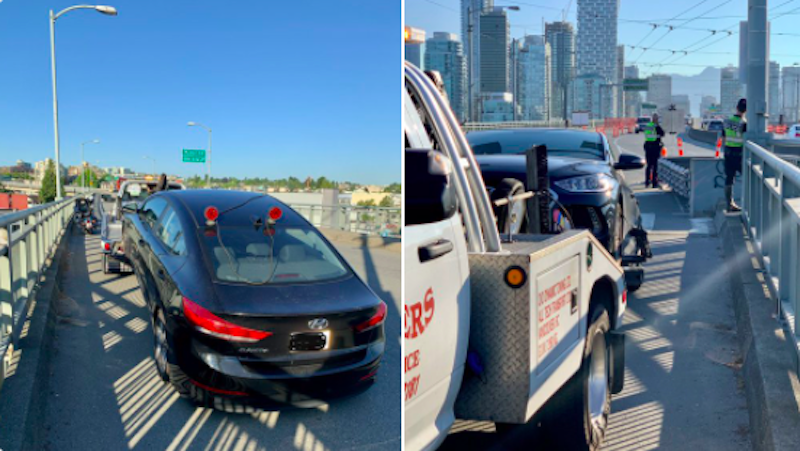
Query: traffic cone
x=680 y=147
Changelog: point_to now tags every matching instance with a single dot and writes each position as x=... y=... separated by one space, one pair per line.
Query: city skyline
x=270 y=106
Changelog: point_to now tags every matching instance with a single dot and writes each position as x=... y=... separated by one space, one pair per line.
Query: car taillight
x=212 y=324
x=376 y=320
x=624 y=296
x=107 y=246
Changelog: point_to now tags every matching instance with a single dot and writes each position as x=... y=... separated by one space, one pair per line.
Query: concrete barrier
x=768 y=366
x=370 y=241
x=708 y=137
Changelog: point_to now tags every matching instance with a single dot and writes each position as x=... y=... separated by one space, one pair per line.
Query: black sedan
x=586 y=179
x=250 y=303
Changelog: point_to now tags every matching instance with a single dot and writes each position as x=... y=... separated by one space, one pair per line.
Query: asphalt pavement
x=683 y=387
x=105 y=394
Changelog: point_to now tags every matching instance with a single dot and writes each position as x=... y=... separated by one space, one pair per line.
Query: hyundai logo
x=318 y=323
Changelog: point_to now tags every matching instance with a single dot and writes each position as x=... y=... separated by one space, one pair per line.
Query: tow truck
x=497 y=328
x=128 y=191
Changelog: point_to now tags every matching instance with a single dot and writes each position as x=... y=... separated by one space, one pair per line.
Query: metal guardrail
x=383 y=221
x=676 y=176
x=556 y=123
x=27 y=239
x=771 y=211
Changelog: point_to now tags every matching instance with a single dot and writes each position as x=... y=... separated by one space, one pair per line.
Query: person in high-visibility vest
x=733 y=139
x=652 y=150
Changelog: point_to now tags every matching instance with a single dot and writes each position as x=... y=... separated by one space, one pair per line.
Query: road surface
x=105 y=394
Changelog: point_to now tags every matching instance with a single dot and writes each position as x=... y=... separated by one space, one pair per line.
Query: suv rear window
x=269 y=255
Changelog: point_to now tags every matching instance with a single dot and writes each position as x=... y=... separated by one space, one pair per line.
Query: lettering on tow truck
x=552 y=300
x=418 y=317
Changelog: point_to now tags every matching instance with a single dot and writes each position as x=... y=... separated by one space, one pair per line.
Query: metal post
x=757 y=52
x=83 y=171
x=209 y=158
x=471 y=62
x=55 y=103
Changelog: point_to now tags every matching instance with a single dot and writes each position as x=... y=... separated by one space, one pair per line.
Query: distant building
x=620 y=112
x=414 y=50
x=587 y=94
x=774 y=92
x=497 y=107
x=706 y=104
x=40 y=167
x=632 y=99
x=790 y=93
x=494 y=47
x=471 y=11
x=682 y=102
x=660 y=90
x=532 y=89
x=730 y=90
x=561 y=37
x=597 y=45
x=444 y=53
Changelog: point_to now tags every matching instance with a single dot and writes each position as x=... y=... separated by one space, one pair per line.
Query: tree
x=3 y=189
x=394 y=188
x=386 y=202
x=47 y=193
x=90 y=178
x=366 y=203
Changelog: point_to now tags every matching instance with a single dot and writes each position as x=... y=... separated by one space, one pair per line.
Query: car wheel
x=161 y=345
x=585 y=400
x=506 y=188
x=105 y=264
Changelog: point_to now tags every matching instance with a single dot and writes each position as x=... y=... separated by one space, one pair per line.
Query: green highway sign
x=194 y=156
x=635 y=84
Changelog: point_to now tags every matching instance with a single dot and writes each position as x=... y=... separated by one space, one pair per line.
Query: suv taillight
x=211 y=324
x=376 y=320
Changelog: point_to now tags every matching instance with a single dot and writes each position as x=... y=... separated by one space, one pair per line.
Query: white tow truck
x=496 y=330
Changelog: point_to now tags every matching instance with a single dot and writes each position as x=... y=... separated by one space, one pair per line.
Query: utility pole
x=757 y=52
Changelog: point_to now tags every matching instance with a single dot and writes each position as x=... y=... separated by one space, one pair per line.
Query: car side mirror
x=430 y=195
x=130 y=208
x=629 y=161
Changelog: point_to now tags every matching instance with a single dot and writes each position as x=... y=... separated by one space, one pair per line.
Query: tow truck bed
x=548 y=309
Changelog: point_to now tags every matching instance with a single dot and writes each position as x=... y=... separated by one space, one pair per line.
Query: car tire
x=202 y=397
x=106 y=269
x=633 y=287
x=585 y=400
x=161 y=349
x=504 y=189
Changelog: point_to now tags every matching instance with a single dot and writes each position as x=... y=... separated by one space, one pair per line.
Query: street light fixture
x=104 y=9
x=208 y=160
x=83 y=163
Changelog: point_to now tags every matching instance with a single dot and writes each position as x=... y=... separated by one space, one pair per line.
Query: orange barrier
x=680 y=147
x=663 y=151
x=719 y=144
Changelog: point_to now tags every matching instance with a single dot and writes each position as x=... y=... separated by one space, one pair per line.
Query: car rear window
x=269 y=254
x=577 y=144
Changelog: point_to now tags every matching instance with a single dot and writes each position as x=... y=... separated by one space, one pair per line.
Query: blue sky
x=443 y=15
x=290 y=88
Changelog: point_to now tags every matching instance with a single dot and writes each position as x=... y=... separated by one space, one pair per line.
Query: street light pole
x=208 y=160
x=108 y=10
x=83 y=163
x=154 y=163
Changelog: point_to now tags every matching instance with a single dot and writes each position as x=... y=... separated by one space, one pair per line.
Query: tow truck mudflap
x=617 y=361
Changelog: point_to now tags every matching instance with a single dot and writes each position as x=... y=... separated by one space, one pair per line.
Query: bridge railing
x=383 y=221
x=771 y=210
x=27 y=239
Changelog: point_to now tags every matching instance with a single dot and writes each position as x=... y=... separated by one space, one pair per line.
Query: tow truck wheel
x=587 y=396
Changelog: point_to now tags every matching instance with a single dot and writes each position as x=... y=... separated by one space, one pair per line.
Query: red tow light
x=211 y=214
x=377 y=319
x=213 y=325
x=275 y=213
x=107 y=246
x=624 y=296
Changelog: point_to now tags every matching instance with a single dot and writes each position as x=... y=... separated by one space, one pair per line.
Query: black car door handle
x=434 y=250
x=161 y=274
